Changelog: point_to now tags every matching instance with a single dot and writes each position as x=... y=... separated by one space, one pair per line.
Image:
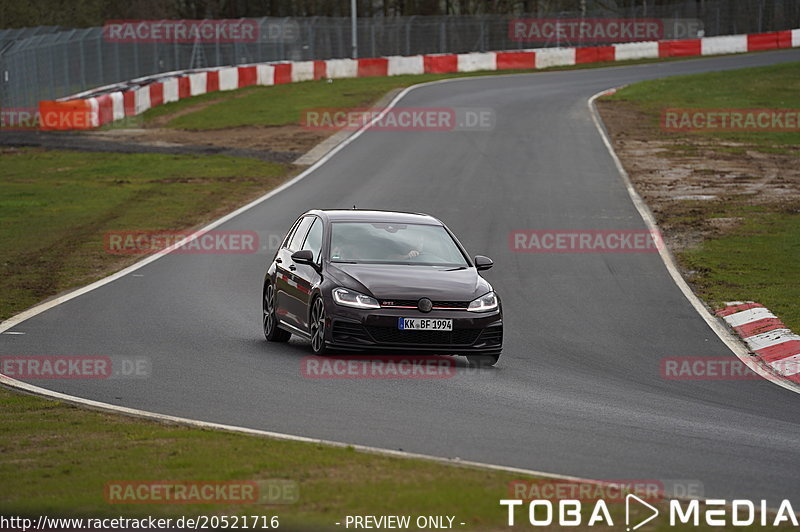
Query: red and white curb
x=97 y=107
x=765 y=334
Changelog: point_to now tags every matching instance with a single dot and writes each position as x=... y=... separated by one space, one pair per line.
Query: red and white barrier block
x=766 y=336
x=93 y=111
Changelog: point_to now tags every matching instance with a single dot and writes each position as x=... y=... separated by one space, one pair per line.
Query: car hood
x=391 y=281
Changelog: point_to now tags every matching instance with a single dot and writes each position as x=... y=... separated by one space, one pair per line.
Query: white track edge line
x=164 y=418
x=38 y=309
x=378 y=451
x=732 y=342
x=107 y=407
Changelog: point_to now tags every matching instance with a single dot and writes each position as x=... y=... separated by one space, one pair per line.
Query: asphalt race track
x=578 y=390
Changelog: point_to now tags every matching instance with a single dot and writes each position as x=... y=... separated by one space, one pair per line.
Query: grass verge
x=757 y=261
x=750 y=228
x=56 y=206
x=61 y=459
x=770 y=87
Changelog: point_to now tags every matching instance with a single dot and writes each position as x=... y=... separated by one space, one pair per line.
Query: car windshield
x=390 y=243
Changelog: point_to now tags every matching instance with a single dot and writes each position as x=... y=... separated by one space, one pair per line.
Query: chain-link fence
x=52 y=62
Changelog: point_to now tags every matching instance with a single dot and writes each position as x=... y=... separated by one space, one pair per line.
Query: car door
x=288 y=297
x=307 y=277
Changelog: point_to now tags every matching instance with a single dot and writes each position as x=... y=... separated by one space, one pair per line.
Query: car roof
x=357 y=215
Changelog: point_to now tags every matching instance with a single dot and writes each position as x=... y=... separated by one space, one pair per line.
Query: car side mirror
x=304 y=256
x=483 y=263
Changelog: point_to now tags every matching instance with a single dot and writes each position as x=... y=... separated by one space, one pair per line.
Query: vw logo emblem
x=425 y=304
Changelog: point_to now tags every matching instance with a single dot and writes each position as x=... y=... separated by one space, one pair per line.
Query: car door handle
x=293 y=267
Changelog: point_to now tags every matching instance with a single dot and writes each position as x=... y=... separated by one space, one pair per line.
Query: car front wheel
x=317 y=327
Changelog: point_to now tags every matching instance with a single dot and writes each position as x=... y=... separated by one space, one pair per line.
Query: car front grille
x=413 y=303
x=392 y=335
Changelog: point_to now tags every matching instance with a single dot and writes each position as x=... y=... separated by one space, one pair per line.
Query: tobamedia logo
x=638 y=513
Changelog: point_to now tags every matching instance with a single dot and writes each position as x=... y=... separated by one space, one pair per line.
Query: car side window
x=290 y=234
x=300 y=234
x=314 y=239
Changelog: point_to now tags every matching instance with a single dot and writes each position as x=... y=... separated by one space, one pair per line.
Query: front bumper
x=376 y=329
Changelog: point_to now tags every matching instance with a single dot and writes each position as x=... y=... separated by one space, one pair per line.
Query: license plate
x=424 y=324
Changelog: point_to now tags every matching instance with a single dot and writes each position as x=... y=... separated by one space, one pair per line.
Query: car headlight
x=484 y=303
x=351 y=298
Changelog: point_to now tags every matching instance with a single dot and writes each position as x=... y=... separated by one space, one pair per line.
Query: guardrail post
x=82 y=59
x=101 y=78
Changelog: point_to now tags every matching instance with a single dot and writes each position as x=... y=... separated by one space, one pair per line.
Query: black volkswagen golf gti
x=377 y=280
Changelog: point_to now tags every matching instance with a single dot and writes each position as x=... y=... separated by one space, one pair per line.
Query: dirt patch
x=280 y=144
x=694 y=185
x=289 y=141
x=130 y=141
x=284 y=143
x=163 y=120
x=285 y=139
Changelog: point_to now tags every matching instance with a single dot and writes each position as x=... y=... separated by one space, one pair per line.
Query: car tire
x=272 y=332
x=316 y=327
x=483 y=361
